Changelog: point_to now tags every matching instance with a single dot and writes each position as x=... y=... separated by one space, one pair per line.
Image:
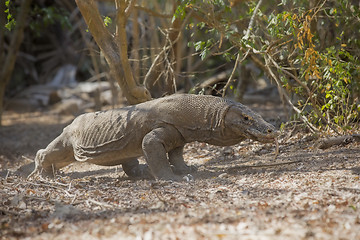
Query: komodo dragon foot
x=134 y=169
x=183 y=170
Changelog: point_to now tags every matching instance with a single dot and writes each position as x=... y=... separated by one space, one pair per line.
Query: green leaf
x=179 y=13
x=107 y=21
x=11 y=24
x=204 y=53
x=201 y=25
x=333 y=11
x=199 y=45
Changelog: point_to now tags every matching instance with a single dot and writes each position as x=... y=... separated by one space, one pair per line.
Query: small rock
x=188 y=178
x=67 y=107
x=65 y=211
x=22 y=205
x=245 y=192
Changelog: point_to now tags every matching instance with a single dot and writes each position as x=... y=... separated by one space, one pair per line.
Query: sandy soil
x=238 y=192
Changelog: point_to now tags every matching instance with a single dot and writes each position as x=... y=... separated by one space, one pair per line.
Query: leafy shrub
x=311 y=51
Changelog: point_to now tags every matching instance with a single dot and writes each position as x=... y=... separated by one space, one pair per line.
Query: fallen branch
x=263 y=165
x=222 y=76
x=158 y=196
x=341 y=140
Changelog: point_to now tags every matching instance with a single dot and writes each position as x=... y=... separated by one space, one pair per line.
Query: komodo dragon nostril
x=269 y=131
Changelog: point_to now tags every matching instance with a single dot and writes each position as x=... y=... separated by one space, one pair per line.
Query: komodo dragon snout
x=157 y=129
x=243 y=121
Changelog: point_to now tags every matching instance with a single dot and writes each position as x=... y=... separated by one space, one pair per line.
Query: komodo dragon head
x=244 y=122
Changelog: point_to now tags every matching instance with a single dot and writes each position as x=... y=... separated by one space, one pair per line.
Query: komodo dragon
x=157 y=129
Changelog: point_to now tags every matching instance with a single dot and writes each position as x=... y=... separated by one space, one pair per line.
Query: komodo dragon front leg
x=176 y=159
x=156 y=144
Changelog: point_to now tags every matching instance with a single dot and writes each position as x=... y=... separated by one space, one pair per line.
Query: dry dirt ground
x=236 y=194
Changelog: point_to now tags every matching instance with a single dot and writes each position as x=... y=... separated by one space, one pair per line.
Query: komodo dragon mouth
x=271 y=136
x=262 y=137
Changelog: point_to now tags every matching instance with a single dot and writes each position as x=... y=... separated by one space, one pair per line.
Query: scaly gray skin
x=157 y=129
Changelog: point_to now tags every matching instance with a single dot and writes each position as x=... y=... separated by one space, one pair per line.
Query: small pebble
x=188 y=178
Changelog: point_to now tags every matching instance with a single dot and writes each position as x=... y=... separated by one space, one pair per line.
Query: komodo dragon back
x=193 y=111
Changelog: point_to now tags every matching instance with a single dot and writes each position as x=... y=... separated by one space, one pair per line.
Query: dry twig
x=101 y=204
x=277 y=150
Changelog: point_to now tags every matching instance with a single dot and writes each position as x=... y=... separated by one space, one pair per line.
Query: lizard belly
x=110 y=155
x=225 y=142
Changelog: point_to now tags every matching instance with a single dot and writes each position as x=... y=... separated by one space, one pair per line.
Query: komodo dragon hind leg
x=133 y=169
x=177 y=162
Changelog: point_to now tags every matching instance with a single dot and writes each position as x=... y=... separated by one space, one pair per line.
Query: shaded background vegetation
x=309 y=50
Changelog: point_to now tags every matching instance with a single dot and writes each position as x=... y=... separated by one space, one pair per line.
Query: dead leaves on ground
x=317 y=197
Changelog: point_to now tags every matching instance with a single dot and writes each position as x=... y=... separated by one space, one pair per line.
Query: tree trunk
x=9 y=60
x=114 y=48
x=2 y=31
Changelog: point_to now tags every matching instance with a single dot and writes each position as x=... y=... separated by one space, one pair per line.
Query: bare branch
x=129 y=8
x=237 y=62
x=251 y=23
x=152 y=12
x=164 y=49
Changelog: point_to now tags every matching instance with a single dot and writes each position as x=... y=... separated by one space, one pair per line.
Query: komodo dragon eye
x=246 y=118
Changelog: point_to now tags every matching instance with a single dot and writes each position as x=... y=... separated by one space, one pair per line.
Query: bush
x=311 y=50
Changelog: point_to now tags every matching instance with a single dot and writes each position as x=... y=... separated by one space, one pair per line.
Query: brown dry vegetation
x=236 y=193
